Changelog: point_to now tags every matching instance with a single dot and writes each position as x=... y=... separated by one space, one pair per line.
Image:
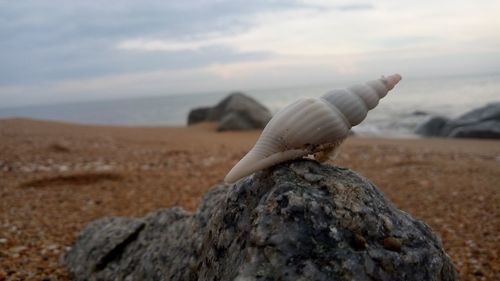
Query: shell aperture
x=312 y=125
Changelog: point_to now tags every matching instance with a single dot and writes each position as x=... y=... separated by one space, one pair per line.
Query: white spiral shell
x=312 y=125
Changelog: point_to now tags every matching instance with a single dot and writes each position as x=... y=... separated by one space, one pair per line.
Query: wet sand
x=55 y=178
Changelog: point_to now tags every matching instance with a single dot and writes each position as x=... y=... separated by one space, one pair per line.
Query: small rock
x=313 y=177
x=478 y=273
x=52 y=247
x=392 y=244
x=3 y=240
x=63 y=168
x=18 y=249
x=59 y=148
x=389 y=226
x=103 y=168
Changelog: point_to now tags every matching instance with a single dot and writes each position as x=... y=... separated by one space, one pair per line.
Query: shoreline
x=57 y=177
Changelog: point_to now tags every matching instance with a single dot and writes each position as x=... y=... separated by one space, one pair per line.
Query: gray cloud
x=59 y=50
x=52 y=40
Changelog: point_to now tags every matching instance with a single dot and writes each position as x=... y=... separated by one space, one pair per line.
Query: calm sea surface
x=395 y=115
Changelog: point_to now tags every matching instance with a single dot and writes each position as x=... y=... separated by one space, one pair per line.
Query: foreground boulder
x=482 y=122
x=296 y=221
x=235 y=112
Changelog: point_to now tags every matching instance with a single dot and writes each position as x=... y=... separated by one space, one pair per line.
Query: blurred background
x=144 y=65
x=149 y=62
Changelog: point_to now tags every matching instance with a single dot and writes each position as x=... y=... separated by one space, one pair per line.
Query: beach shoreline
x=57 y=177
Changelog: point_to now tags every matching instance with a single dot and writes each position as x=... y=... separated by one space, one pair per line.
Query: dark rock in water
x=198 y=115
x=483 y=130
x=472 y=122
x=296 y=221
x=482 y=122
x=486 y=113
x=432 y=127
x=242 y=112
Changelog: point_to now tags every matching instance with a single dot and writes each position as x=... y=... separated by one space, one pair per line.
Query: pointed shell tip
x=392 y=80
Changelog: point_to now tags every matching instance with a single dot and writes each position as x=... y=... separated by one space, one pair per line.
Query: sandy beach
x=56 y=177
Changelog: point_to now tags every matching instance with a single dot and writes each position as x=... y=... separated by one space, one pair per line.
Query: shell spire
x=312 y=126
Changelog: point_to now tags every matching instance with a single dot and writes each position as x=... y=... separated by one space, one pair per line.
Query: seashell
x=312 y=126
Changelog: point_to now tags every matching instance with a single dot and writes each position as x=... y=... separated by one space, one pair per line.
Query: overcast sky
x=60 y=51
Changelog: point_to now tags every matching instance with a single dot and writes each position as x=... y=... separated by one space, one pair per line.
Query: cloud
x=51 y=47
x=52 y=40
x=313 y=32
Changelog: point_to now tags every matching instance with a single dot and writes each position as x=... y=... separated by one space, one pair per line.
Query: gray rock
x=242 y=112
x=482 y=122
x=482 y=130
x=296 y=221
x=489 y=112
x=235 y=121
x=100 y=242
x=471 y=125
x=432 y=127
x=198 y=115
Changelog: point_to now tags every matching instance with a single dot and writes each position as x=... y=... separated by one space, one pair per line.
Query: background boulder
x=198 y=115
x=482 y=122
x=432 y=127
x=296 y=221
x=235 y=121
x=238 y=111
x=482 y=130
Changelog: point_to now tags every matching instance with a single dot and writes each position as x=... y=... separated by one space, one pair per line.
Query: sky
x=65 y=51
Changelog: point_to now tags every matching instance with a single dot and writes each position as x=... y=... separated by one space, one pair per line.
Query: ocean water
x=397 y=115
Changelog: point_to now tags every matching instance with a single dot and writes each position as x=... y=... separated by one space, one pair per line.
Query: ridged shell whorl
x=312 y=125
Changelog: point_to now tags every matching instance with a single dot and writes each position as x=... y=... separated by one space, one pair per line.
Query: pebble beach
x=57 y=177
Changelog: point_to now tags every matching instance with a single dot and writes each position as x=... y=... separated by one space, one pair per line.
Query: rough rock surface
x=296 y=221
x=482 y=122
x=236 y=112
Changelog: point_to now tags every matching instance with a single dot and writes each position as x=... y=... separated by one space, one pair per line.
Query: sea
x=411 y=103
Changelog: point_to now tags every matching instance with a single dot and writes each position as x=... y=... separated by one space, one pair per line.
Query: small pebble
x=312 y=177
x=63 y=168
x=392 y=244
x=18 y=249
